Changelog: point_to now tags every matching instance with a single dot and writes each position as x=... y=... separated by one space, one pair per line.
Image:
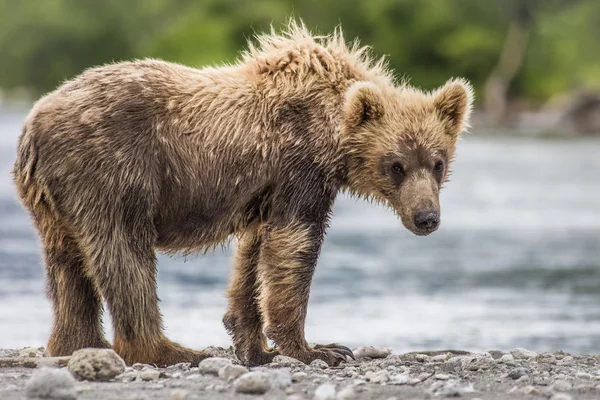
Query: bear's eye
x=397 y=168
x=439 y=166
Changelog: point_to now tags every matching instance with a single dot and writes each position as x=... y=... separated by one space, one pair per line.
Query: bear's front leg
x=288 y=258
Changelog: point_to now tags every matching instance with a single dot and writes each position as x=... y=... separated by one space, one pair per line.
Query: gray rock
x=522 y=354
x=213 y=365
x=255 y=382
x=516 y=373
x=231 y=372
x=583 y=375
x=31 y=352
x=441 y=377
x=281 y=378
x=371 y=352
x=325 y=391
x=561 y=396
x=51 y=383
x=96 y=364
x=149 y=374
x=507 y=358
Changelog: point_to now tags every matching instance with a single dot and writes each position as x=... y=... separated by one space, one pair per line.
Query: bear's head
x=400 y=142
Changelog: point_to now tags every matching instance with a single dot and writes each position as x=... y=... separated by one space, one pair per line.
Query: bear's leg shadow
x=123 y=261
x=288 y=258
x=243 y=319
x=76 y=301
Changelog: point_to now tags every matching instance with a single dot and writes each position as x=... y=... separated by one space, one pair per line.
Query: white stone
x=441 y=377
x=213 y=365
x=506 y=358
x=372 y=352
x=583 y=375
x=231 y=372
x=522 y=354
x=149 y=374
x=422 y=357
x=286 y=361
x=180 y=394
x=326 y=391
x=30 y=352
x=51 y=383
x=96 y=364
x=255 y=382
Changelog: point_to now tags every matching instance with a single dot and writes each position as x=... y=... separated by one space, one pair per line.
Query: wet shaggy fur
x=134 y=157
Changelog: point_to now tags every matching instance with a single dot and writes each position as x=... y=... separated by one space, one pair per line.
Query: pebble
x=299 y=376
x=441 y=357
x=255 y=382
x=149 y=374
x=326 y=391
x=180 y=394
x=347 y=393
x=281 y=378
x=533 y=391
x=506 y=358
x=441 y=377
x=319 y=364
x=231 y=372
x=51 y=383
x=516 y=373
x=96 y=364
x=372 y=352
x=522 y=354
x=213 y=365
x=561 y=386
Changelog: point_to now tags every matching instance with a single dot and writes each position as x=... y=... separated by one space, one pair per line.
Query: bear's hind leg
x=76 y=302
x=243 y=320
x=124 y=264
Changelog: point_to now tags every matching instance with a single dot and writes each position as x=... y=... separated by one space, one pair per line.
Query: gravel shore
x=376 y=374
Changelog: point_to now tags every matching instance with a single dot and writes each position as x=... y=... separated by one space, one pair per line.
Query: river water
x=516 y=262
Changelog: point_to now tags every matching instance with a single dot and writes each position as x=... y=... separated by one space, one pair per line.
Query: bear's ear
x=454 y=102
x=363 y=104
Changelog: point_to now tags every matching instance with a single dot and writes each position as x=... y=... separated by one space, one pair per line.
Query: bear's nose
x=427 y=220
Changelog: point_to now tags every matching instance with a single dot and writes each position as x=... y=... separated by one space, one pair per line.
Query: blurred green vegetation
x=44 y=42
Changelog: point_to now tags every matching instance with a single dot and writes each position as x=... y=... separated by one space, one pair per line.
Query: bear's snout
x=427 y=221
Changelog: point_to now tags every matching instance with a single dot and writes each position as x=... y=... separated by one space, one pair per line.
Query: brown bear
x=133 y=157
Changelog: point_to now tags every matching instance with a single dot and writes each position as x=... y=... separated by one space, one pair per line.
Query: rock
x=325 y=391
x=319 y=364
x=496 y=354
x=213 y=365
x=440 y=358
x=532 y=390
x=371 y=352
x=516 y=373
x=441 y=377
x=547 y=358
x=422 y=358
x=96 y=364
x=522 y=354
x=179 y=367
x=561 y=386
x=507 y=358
x=51 y=383
x=299 y=376
x=286 y=361
x=31 y=352
x=452 y=389
x=180 y=394
x=255 y=382
x=149 y=374
x=400 y=379
x=561 y=396
x=231 y=372
x=347 y=393
x=566 y=360
x=377 y=377
x=281 y=378
x=583 y=375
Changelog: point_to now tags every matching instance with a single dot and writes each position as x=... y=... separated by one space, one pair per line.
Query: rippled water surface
x=516 y=262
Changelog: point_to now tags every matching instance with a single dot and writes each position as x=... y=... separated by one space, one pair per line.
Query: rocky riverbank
x=376 y=374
